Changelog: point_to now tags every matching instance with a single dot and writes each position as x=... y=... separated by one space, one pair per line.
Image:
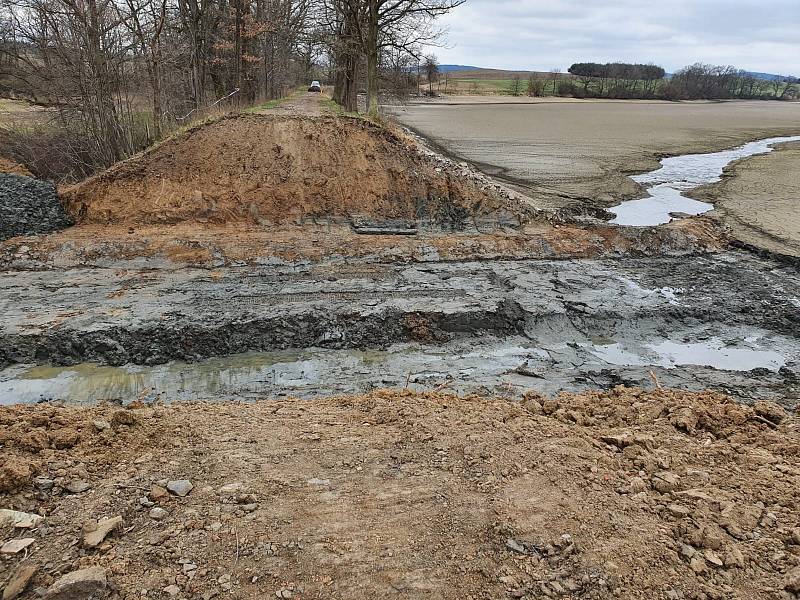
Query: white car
x=315 y=86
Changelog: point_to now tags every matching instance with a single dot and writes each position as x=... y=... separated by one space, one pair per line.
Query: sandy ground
x=759 y=199
x=394 y=495
x=568 y=152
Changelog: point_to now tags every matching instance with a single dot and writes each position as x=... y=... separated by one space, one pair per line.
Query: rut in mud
x=276 y=170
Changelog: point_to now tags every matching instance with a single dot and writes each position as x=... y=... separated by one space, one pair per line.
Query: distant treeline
x=695 y=82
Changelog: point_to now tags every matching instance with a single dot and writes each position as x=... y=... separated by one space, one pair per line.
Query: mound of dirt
x=622 y=494
x=270 y=169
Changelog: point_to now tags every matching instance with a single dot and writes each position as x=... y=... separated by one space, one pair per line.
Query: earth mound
x=272 y=170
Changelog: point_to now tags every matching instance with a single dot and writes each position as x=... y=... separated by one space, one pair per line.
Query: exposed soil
x=623 y=494
x=759 y=200
x=274 y=170
x=14 y=168
x=574 y=155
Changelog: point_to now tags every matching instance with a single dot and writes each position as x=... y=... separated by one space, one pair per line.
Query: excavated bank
x=275 y=170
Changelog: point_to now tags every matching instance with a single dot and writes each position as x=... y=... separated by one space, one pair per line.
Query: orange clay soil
x=9 y=166
x=217 y=245
x=272 y=170
x=623 y=494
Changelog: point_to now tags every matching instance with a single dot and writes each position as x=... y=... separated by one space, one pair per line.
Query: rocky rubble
x=29 y=206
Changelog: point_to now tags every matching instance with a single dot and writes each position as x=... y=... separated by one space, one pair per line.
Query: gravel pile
x=29 y=206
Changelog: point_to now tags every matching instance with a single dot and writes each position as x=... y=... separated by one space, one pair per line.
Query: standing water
x=678 y=174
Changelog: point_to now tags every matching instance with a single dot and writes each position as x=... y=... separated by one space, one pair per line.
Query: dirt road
x=393 y=495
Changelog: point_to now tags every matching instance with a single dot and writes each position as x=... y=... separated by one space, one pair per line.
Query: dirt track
x=759 y=199
x=580 y=153
x=619 y=495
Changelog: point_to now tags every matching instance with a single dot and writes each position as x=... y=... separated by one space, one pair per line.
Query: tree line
x=695 y=82
x=120 y=74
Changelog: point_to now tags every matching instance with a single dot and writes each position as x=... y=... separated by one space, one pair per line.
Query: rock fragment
x=77 y=487
x=14 y=546
x=95 y=533
x=180 y=487
x=158 y=514
x=21 y=520
x=19 y=581
x=770 y=411
x=85 y=584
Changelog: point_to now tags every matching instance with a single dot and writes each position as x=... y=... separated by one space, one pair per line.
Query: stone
x=795 y=536
x=172 y=590
x=14 y=546
x=85 y=584
x=678 y=511
x=637 y=485
x=698 y=565
x=734 y=558
x=158 y=493
x=43 y=484
x=284 y=593
x=95 y=533
x=101 y=424
x=687 y=552
x=713 y=558
x=515 y=546
x=19 y=581
x=21 y=520
x=316 y=481
x=180 y=487
x=230 y=489
x=665 y=482
x=158 y=514
x=123 y=417
x=770 y=411
x=622 y=440
x=77 y=487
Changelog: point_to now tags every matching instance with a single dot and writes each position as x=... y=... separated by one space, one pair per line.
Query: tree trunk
x=372 y=59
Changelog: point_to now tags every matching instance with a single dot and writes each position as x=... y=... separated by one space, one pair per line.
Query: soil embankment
x=277 y=170
x=759 y=200
x=623 y=494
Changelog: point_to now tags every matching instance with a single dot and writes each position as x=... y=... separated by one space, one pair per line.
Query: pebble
x=180 y=487
x=19 y=519
x=158 y=492
x=95 y=533
x=101 y=424
x=77 y=487
x=284 y=593
x=172 y=590
x=158 y=514
x=678 y=511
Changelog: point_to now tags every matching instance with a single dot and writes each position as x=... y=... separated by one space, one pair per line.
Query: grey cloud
x=758 y=35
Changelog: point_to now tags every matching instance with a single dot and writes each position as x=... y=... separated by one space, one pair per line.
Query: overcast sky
x=757 y=35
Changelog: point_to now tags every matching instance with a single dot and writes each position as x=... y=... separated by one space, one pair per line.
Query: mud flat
x=727 y=321
x=759 y=200
x=578 y=154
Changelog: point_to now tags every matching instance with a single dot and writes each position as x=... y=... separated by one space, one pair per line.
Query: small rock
x=315 y=481
x=665 y=482
x=95 y=533
x=101 y=425
x=687 y=551
x=172 y=590
x=21 y=520
x=180 y=487
x=145 y=501
x=43 y=484
x=284 y=593
x=698 y=565
x=713 y=558
x=158 y=514
x=734 y=558
x=77 y=487
x=86 y=584
x=19 y=581
x=795 y=536
x=123 y=417
x=622 y=440
x=515 y=546
x=230 y=489
x=637 y=485
x=679 y=511
x=14 y=546
x=158 y=493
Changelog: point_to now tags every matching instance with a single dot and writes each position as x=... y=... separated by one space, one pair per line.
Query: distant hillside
x=452 y=68
x=768 y=76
